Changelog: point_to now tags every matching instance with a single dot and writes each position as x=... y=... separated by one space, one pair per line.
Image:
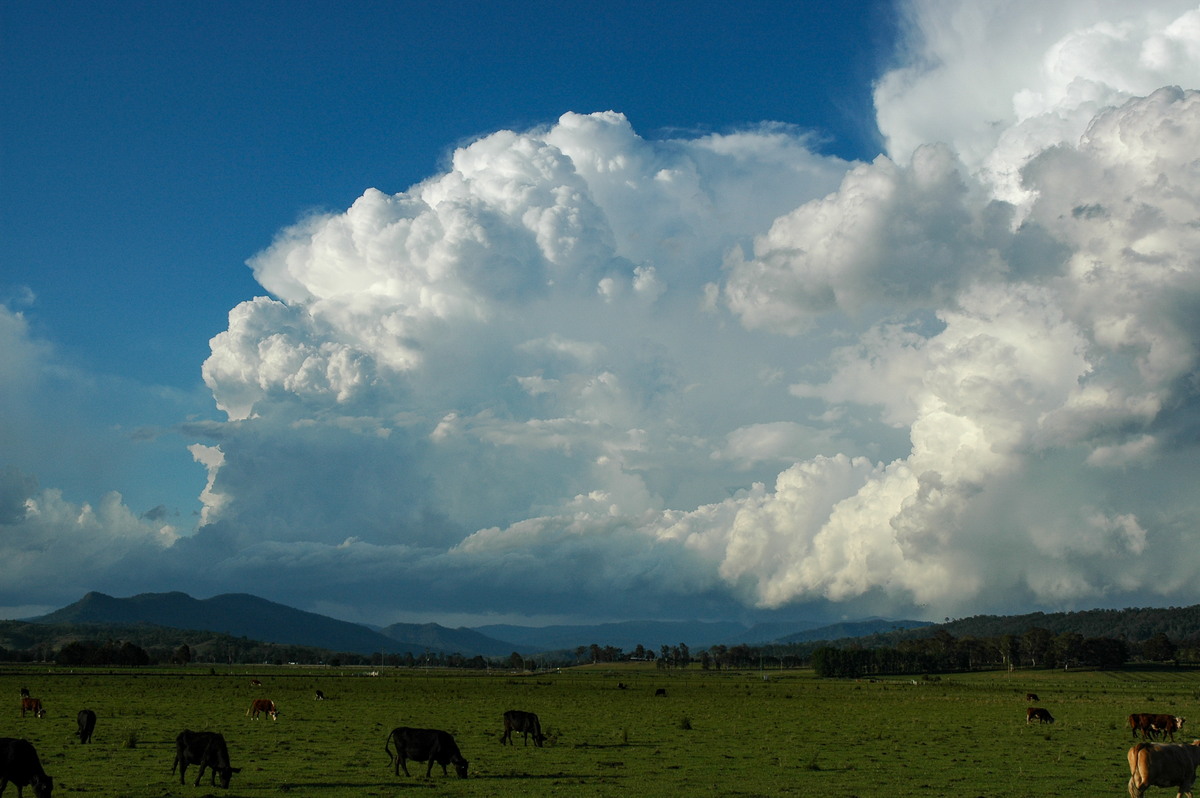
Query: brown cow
x=1032 y=697
x=33 y=705
x=1152 y=726
x=261 y=706
x=1165 y=726
x=1162 y=765
x=1038 y=714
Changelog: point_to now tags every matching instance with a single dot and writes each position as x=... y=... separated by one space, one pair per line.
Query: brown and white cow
x=1165 y=726
x=1154 y=725
x=1038 y=714
x=262 y=706
x=1032 y=697
x=33 y=705
x=1162 y=765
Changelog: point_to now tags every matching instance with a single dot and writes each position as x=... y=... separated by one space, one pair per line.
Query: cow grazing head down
x=1039 y=714
x=86 y=720
x=19 y=764
x=1154 y=725
x=206 y=749
x=263 y=705
x=1162 y=765
x=33 y=705
x=424 y=745
x=526 y=723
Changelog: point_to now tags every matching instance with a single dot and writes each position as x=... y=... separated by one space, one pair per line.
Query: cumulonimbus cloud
x=726 y=372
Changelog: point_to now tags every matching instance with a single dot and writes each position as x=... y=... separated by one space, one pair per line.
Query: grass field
x=714 y=733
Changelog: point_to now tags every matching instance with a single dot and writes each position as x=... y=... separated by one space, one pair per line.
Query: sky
x=529 y=313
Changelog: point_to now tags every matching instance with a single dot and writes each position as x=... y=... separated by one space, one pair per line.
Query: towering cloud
x=585 y=373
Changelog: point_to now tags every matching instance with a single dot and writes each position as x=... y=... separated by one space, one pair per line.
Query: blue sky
x=701 y=310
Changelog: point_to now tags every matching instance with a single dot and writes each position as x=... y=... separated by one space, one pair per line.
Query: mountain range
x=245 y=615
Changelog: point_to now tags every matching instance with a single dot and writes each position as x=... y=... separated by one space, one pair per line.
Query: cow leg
x=403 y=766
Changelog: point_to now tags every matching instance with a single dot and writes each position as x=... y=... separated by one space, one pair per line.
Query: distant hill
x=244 y=615
x=854 y=629
x=419 y=637
x=1135 y=624
x=151 y=616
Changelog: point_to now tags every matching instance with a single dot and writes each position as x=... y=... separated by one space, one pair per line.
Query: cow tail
x=387 y=746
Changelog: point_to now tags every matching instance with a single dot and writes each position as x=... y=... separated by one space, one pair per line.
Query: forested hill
x=1132 y=624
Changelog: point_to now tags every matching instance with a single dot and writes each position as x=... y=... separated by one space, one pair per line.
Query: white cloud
x=550 y=421
x=699 y=376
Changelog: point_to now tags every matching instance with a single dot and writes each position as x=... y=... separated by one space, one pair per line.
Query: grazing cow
x=1139 y=723
x=526 y=723
x=320 y=696
x=662 y=691
x=1038 y=714
x=87 y=724
x=206 y=749
x=425 y=745
x=1162 y=765
x=260 y=706
x=255 y=683
x=19 y=764
x=1032 y=697
x=33 y=705
x=1152 y=726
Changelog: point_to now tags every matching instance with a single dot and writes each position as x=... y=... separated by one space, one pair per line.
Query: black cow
x=19 y=764
x=87 y=724
x=425 y=745
x=662 y=691
x=206 y=749
x=526 y=723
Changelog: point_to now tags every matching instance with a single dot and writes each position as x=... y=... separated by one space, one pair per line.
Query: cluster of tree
x=110 y=652
x=1037 y=647
x=1134 y=624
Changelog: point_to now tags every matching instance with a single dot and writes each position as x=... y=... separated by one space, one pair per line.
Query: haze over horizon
x=391 y=315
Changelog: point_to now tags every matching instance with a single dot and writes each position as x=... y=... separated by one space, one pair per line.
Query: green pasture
x=745 y=733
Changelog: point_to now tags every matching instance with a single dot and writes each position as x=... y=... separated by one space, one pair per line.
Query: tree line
x=1037 y=647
